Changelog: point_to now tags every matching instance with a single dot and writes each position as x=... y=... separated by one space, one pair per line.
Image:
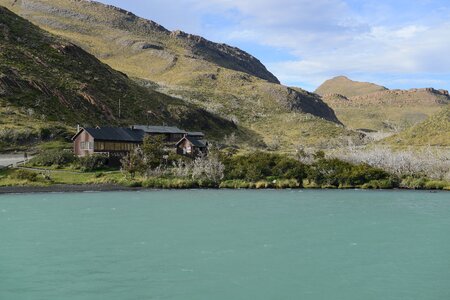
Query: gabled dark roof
x=115 y=134
x=196 y=142
x=195 y=133
x=160 y=129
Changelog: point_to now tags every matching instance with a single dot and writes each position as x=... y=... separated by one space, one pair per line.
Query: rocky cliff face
x=225 y=55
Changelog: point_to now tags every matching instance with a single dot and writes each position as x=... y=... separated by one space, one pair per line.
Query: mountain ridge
x=237 y=59
x=377 y=108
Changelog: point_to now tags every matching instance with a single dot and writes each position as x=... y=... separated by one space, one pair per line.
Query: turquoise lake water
x=209 y=244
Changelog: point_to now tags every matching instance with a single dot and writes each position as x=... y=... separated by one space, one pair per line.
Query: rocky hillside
x=377 y=108
x=221 y=79
x=346 y=87
x=52 y=80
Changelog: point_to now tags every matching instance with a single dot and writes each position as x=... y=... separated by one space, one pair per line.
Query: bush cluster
x=60 y=158
x=53 y=157
x=25 y=175
x=268 y=170
x=262 y=165
x=338 y=173
x=92 y=162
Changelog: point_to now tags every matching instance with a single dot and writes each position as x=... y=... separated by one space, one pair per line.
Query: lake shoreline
x=66 y=188
x=74 y=188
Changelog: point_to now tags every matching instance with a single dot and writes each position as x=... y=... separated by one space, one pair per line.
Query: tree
x=134 y=162
x=153 y=150
x=208 y=167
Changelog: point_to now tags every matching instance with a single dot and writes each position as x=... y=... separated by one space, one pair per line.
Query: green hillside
x=434 y=131
x=221 y=79
x=46 y=81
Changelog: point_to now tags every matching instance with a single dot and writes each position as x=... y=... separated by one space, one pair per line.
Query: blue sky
x=396 y=43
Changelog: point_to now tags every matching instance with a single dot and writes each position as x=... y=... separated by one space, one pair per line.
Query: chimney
x=78 y=128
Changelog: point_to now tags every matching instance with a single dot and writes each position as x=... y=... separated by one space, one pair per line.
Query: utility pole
x=120 y=107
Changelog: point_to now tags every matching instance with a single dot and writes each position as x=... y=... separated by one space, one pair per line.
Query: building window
x=87 y=145
x=188 y=149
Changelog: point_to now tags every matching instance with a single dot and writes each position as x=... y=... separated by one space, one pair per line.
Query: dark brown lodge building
x=118 y=141
x=114 y=141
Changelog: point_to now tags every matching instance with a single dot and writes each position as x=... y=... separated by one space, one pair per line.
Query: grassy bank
x=21 y=178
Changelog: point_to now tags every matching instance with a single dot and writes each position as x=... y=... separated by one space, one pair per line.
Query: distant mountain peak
x=346 y=87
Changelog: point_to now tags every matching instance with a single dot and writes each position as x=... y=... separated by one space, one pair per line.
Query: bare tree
x=203 y=167
x=430 y=162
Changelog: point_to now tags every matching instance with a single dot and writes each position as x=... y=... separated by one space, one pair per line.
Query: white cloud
x=330 y=38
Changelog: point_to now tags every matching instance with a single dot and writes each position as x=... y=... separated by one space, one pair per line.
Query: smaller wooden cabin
x=192 y=147
x=113 y=141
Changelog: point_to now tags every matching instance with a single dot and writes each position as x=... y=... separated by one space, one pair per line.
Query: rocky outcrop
x=225 y=55
x=310 y=103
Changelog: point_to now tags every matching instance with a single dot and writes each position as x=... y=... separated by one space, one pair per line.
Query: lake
x=224 y=244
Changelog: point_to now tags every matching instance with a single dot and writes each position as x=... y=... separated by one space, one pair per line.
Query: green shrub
x=379 y=184
x=204 y=183
x=98 y=175
x=92 y=162
x=436 y=185
x=338 y=173
x=25 y=175
x=53 y=157
x=133 y=184
x=262 y=166
x=413 y=183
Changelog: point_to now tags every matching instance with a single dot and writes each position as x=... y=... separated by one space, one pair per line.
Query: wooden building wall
x=80 y=143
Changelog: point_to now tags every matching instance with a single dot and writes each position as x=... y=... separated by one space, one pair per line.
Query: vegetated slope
x=222 y=79
x=434 y=131
x=346 y=87
x=47 y=78
x=386 y=110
